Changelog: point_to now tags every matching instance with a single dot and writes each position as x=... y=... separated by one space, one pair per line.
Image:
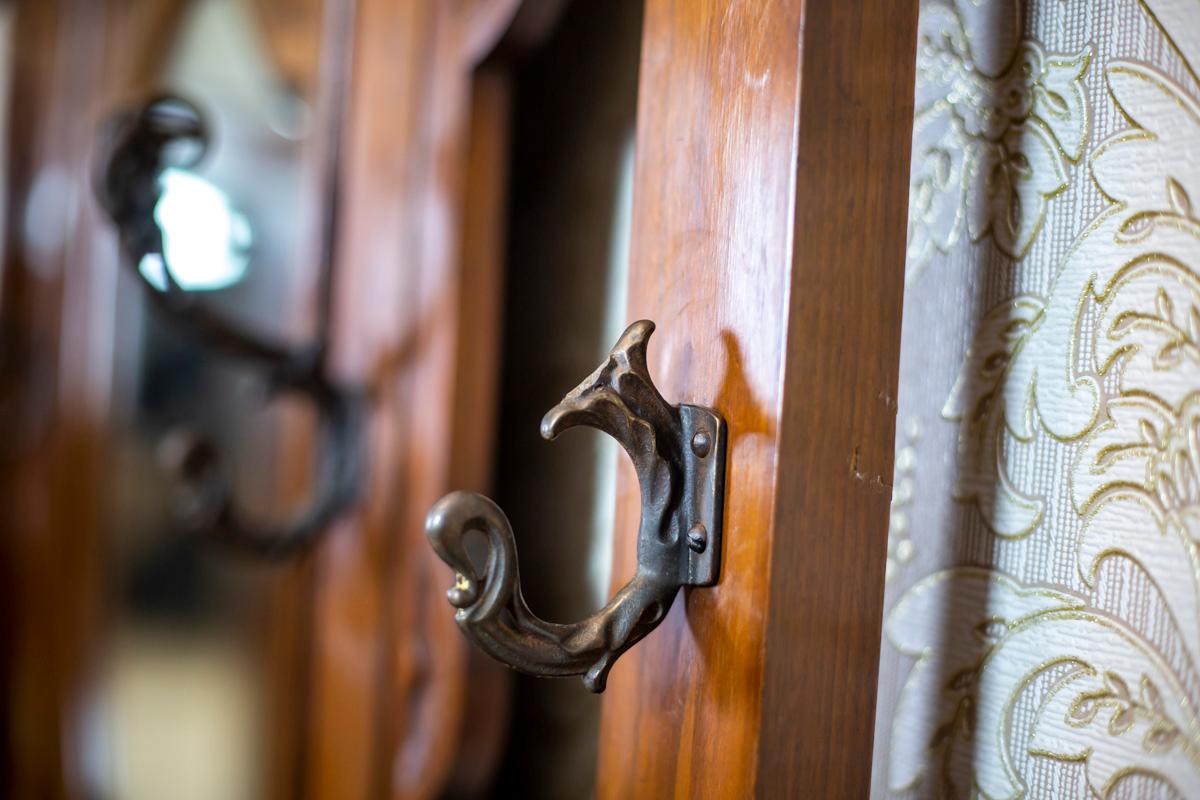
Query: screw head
x=701 y=443
x=697 y=537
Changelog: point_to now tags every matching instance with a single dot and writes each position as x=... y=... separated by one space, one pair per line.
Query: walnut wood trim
x=837 y=424
x=770 y=196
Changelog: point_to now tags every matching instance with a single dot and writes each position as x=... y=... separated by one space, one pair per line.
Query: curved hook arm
x=168 y=131
x=678 y=453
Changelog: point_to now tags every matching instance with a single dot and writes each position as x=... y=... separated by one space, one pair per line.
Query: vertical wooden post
x=770 y=196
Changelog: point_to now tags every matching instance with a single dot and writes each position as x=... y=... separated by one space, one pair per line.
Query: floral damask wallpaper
x=1042 y=631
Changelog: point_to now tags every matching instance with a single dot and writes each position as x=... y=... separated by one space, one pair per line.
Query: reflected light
x=206 y=241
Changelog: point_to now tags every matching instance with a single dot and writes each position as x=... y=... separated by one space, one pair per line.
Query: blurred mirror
x=183 y=701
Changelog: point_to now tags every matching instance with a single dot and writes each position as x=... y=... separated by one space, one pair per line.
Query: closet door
x=768 y=241
x=769 y=189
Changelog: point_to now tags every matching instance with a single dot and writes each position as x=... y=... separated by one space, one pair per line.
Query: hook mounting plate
x=703 y=449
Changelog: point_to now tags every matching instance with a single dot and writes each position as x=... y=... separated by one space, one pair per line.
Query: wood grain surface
x=356 y=649
x=839 y=407
x=769 y=207
x=56 y=308
x=416 y=322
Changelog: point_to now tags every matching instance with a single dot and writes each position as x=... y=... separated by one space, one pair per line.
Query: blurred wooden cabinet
x=766 y=236
x=133 y=654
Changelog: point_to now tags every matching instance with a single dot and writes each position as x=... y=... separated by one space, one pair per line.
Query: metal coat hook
x=679 y=455
x=170 y=132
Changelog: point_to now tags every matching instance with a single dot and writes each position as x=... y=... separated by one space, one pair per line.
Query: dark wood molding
x=837 y=425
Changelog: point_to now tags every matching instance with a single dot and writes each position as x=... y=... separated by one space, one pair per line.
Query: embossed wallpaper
x=1042 y=629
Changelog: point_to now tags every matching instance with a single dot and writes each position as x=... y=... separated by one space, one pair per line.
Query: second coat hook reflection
x=678 y=453
x=169 y=133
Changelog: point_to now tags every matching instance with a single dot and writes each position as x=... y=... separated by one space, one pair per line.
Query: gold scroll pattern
x=998 y=122
x=1105 y=365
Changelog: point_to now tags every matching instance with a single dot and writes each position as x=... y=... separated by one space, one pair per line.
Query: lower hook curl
x=678 y=453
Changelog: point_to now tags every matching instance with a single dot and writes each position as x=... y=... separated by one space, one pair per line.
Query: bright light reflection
x=153 y=271
x=206 y=241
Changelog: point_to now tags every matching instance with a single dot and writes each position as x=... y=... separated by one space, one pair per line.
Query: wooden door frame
x=770 y=217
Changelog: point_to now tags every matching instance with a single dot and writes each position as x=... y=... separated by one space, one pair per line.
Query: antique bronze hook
x=679 y=455
x=170 y=132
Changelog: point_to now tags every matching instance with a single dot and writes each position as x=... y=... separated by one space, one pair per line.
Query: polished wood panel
x=358 y=563
x=391 y=670
x=312 y=44
x=472 y=437
x=55 y=361
x=772 y=158
x=709 y=261
x=838 y=417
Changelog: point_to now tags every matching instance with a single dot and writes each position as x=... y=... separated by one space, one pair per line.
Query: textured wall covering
x=1042 y=636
